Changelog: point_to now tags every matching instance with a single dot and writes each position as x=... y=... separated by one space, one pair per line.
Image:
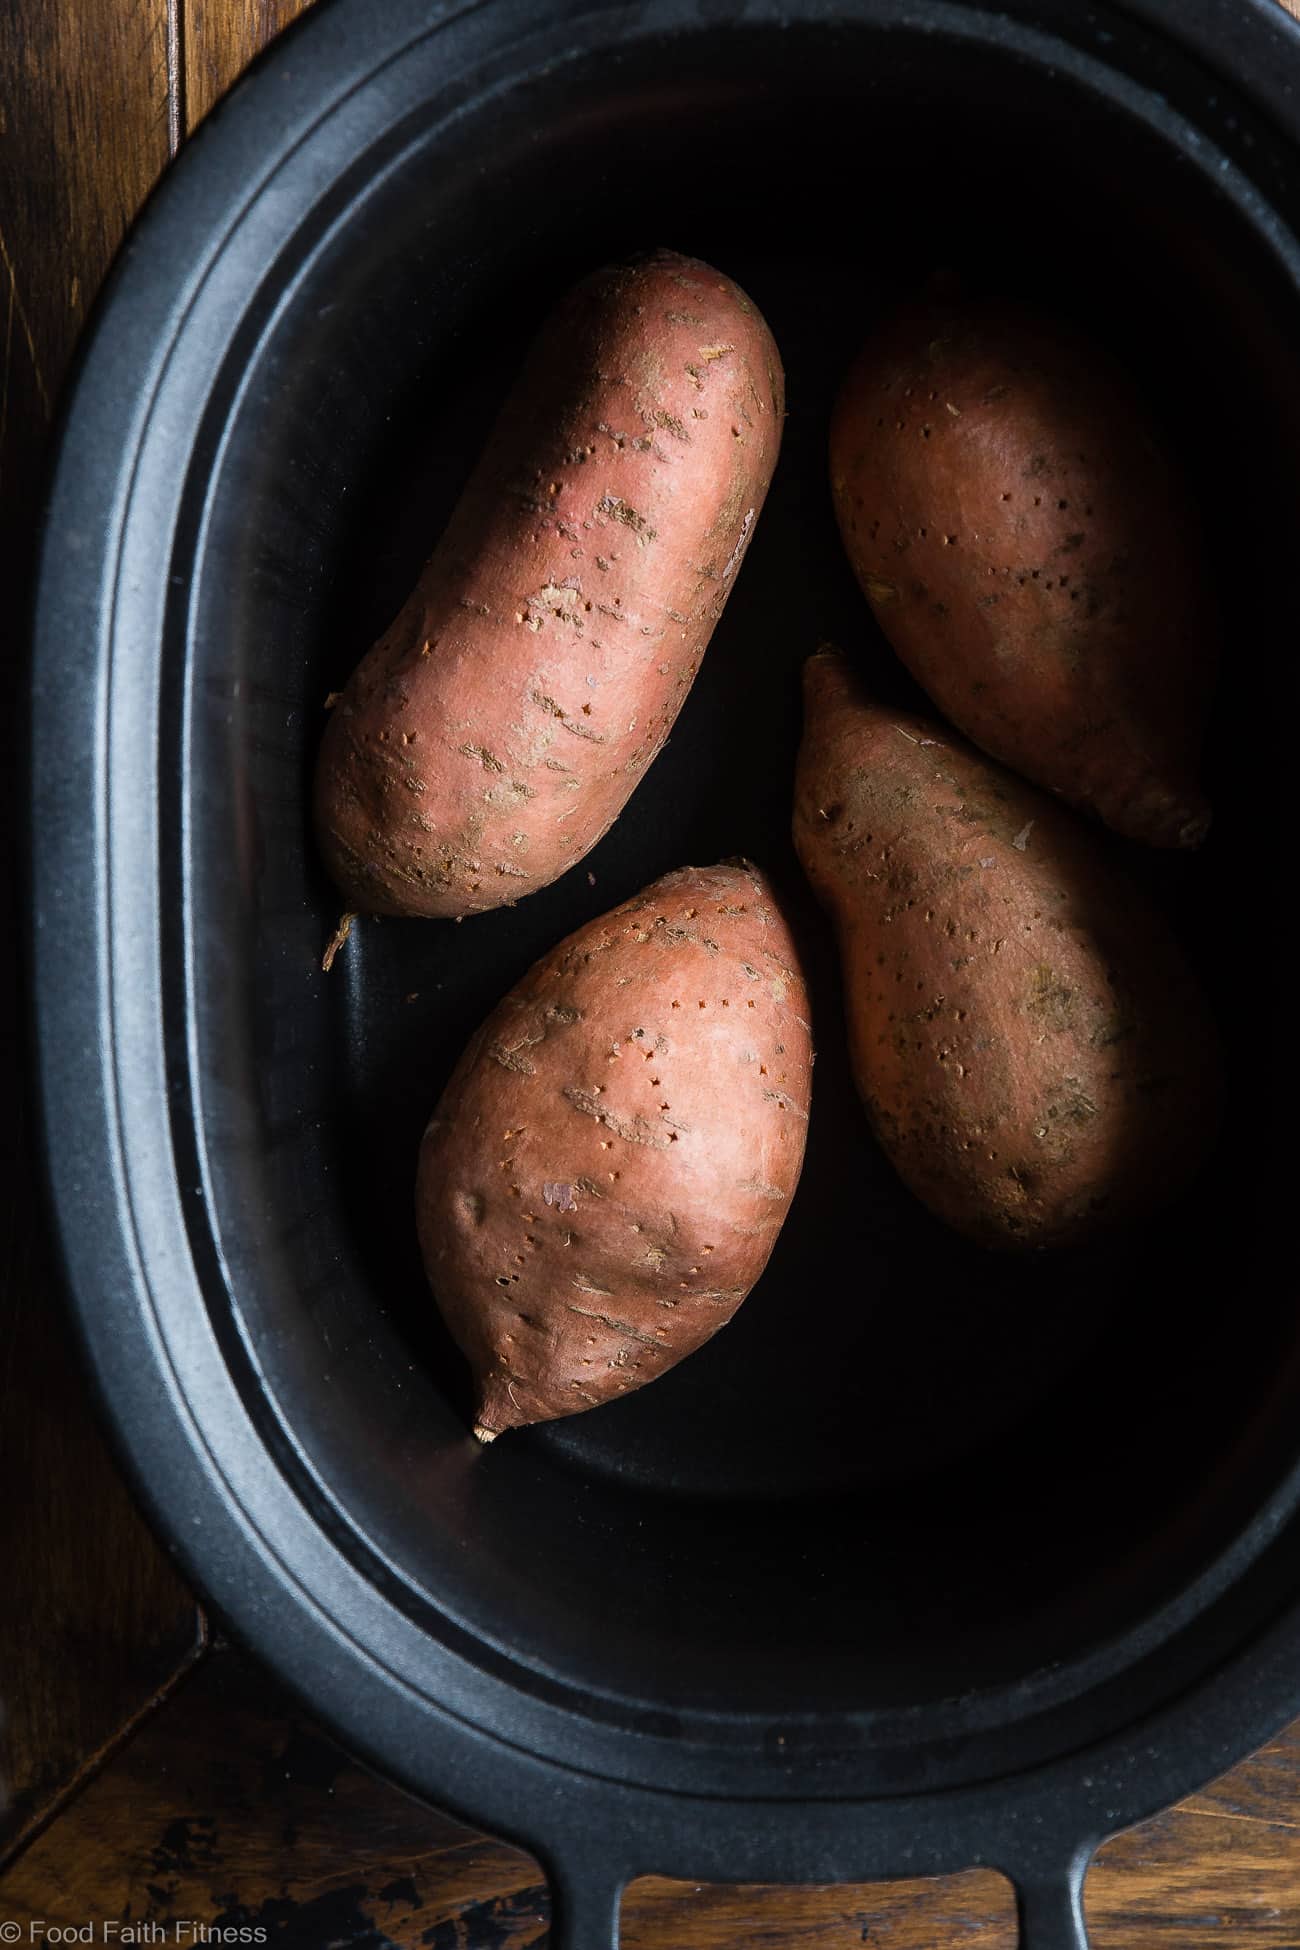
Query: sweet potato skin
x=1033 y=1051
x=608 y=1168
x=1033 y=556
x=498 y=727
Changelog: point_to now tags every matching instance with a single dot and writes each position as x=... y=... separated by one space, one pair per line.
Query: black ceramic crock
x=930 y=1559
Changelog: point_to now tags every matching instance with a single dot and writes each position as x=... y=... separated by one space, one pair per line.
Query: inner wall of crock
x=908 y=1470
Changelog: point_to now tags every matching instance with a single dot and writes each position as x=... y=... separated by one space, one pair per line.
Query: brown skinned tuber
x=499 y=726
x=1031 y=552
x=609 y=1167
x=1034 y=1054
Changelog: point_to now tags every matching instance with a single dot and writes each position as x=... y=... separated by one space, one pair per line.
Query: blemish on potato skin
x=1049 y=999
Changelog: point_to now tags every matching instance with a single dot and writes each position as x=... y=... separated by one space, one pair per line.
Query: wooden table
x=146 y=1772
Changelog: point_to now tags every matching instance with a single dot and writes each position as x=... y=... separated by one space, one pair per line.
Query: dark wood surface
x=144 y=1775
x=217 y=38
x=227 y=1807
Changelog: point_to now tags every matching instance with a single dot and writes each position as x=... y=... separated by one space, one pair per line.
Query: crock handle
x=585 y=1909
x=585 y=1903
x=1050 y=1908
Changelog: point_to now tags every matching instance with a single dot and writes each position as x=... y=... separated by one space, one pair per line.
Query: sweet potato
x=610 y=1164
x=1032 y=555
x=498 y=727
x=1033 y=1051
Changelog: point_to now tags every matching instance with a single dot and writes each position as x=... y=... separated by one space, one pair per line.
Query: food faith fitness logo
x=180 y=1930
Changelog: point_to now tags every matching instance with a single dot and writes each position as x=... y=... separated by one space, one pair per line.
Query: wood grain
x=226 y=1808
x=976 y=1910
x=85 y=126
x=230 y=1807
x=93 y=1622
x=218 y=38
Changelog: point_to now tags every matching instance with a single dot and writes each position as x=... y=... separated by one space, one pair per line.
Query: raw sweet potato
x=1032 y=555
x=499 y=726
x=610 y=1164
x=1033 y=1051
